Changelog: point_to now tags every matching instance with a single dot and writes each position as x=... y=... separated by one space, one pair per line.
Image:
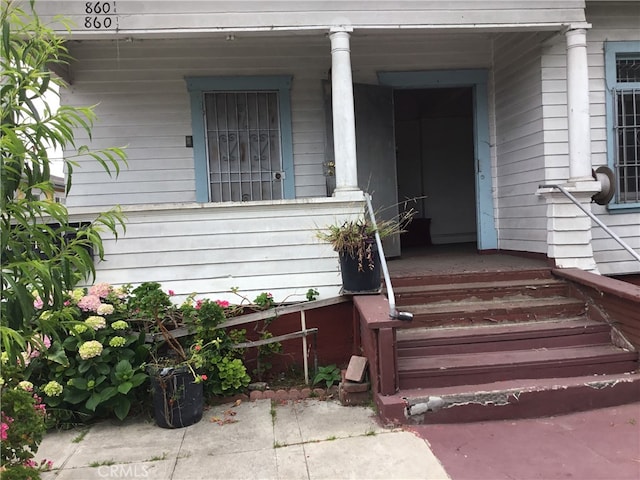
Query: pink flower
x=38 y=303
x=100 y=290
x=3 y=431
x=89 y=303
x=204 y=377
x=222 y=303
x=171 y=293
x=43 y=340
x=199 y=304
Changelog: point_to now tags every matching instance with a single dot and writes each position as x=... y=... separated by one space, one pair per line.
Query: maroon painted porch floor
x=599 y=444
x=456 y=258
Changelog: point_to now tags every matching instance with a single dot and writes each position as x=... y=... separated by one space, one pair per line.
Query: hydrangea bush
x=98 y=369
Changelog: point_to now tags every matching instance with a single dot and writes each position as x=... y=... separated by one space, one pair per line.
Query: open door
x=375 y=150
x=376 y=153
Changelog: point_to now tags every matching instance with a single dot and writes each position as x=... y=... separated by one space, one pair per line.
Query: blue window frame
x=622 y=74
x=242 y=155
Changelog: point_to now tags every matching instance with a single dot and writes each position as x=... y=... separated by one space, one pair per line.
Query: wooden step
x=473 y=368
x=489 y=276
x=510 y=336
x=523 y=398
x=416 y=294
x=515 y=308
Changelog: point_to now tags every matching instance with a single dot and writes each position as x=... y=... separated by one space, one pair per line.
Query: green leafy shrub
x=212 y=352
x=22 y=427
x=100 y=362
x=328 y=374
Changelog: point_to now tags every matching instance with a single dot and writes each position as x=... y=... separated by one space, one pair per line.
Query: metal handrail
x=595 y=219
x=393 y=312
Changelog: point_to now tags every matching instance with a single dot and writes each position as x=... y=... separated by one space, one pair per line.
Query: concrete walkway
x=309 y=439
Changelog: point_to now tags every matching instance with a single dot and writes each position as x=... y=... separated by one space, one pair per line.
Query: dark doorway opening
x=435 y=164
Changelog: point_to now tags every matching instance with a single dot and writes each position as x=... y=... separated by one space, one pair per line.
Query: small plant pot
x=177 y=400
x=360 y=278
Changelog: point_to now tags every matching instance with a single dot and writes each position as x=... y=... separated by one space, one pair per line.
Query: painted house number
x=100 y=15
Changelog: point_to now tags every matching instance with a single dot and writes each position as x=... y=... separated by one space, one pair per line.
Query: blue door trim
x=197 y=86
x=477 y=80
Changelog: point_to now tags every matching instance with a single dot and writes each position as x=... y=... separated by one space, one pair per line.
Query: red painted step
x=452 y=278
x=473 y=368
x=511 y=336
x=522 y=398
x=485 y=290
x=515 y=308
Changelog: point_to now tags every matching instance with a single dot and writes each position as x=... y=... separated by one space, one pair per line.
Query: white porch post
x=568 y=228
x=578 y=106
x=344 y=125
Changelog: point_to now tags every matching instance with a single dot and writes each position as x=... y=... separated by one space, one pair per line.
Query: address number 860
x=99 y=12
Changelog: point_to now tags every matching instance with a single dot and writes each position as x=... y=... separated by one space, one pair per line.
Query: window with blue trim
x=241 y=138
x=622 y=61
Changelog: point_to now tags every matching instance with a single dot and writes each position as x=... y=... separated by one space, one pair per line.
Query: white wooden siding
x=143 y=104
x=519 y=143
x=137 y=17
x=210 y=249
x=613 y=24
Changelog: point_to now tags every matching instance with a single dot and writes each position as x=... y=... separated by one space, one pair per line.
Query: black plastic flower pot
x=177 y=400
x=360 y=277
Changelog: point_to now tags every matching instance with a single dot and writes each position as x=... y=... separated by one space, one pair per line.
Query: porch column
x=344 y=124
x=568 y=228
x=578 y=106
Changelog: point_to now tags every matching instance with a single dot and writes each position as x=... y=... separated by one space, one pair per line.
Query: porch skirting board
x=569 y=232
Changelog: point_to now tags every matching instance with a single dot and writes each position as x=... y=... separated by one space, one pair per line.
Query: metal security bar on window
x=243 y=142
x=627 y=70
x=627 y=136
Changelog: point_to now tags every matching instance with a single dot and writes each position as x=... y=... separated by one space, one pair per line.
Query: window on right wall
x=622 y=70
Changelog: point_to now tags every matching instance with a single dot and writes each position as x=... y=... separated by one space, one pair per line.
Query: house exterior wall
x=532 y=133
x=610 y=24
x=139 y=83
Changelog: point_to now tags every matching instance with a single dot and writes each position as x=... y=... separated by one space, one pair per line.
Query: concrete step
x=470 y=368
x=511 y=399
x=514 y=308
x=554 y=333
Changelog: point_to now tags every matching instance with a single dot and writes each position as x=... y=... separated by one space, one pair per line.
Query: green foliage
x=23 y=426
x=41 y=250
x=329 y=374
x=312 y=294
x=212 y=352
x=100 y=362
x=264 y=301
x=149 y=301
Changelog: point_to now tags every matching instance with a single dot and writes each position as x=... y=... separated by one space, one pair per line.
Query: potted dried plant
x=355 y=242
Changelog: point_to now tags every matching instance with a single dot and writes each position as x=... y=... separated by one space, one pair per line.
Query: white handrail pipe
x=393 y=312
